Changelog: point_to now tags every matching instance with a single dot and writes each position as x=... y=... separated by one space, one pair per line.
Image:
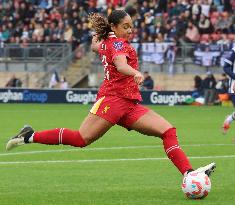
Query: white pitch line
x=109 y=160
x=108 y=148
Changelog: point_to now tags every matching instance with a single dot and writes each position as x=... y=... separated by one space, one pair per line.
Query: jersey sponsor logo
x=118 y=45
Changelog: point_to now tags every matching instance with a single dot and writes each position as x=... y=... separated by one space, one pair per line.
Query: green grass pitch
x=120 y=168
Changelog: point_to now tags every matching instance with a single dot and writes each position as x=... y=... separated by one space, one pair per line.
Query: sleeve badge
x=118 y=45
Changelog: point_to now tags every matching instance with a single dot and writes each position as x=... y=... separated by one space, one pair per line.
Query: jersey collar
x=112 y=35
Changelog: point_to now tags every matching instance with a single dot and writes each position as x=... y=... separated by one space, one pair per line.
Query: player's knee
x=169 y=133
x=81 y=141
x=73 y=138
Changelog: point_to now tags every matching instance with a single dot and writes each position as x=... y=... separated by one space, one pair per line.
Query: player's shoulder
x=118 y=44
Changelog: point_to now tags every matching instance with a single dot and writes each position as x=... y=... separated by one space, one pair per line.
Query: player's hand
x=95 y=43
x=139 y=78
x=95 y=38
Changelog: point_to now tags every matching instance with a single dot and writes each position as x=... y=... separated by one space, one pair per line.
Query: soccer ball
x=196 y=185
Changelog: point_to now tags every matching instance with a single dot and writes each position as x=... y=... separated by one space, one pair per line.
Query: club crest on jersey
x=105 y=109
x=118 y=45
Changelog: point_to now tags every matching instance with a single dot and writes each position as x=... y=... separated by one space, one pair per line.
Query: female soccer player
x=117 y=100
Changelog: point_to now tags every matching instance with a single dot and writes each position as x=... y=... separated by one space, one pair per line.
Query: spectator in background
x=170 y=55
x=204 y=25
x=14 y=82
x=224 y=23
x=55 y=79
x=55 y=15
x=39 y=30
x=174 y=9
x=192 y=34
x=148 y=83
x=196 y=8
x=68 y=33
x=206 y=7
x=77 y=34
x=223 y=42
x=45 y=4
x=197 y=87
x=227 y=5
x=75 y=19
x=207 y=58
x=161 y=6
x=63 y=83
x=194 y=20
x=222 y=84
x=208 y=85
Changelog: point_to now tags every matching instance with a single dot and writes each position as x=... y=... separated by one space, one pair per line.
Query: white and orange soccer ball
x=196 y=185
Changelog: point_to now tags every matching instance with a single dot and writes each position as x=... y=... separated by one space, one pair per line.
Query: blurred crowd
x=58 y=21
x=209 y=90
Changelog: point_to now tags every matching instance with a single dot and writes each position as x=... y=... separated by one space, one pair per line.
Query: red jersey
x=116 y=83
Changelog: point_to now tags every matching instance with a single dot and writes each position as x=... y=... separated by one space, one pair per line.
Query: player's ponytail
x=102 y=25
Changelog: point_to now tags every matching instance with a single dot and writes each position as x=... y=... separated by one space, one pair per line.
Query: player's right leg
x=228 y=120
x=92 y=128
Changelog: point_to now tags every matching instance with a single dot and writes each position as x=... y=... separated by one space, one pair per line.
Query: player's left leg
x=152 y=124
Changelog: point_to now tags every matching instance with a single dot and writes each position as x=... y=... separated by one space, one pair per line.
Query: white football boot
x=21 y=138
x=208 y=169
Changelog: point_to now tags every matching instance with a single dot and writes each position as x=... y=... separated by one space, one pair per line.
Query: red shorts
x=116 y=110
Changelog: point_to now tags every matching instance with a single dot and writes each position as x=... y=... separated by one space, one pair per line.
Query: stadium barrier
x=86 y=96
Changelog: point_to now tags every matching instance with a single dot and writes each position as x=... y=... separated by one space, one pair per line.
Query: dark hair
x=102 y=25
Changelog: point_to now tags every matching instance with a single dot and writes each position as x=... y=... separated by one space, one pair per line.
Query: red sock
x=59 y=136
x=174 y=152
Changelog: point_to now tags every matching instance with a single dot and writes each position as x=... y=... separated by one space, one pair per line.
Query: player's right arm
x=120 y=62
x=229 y=63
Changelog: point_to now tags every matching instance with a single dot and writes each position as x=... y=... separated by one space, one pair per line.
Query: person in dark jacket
x=209 y=90
x=148 y=83
x=197 y=87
